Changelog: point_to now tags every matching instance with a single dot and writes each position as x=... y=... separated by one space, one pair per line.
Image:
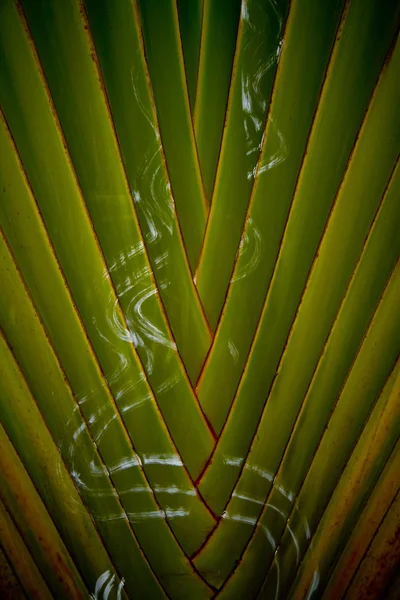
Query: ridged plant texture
x=199 y=299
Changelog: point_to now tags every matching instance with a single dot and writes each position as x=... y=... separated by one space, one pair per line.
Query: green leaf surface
x=199 y=299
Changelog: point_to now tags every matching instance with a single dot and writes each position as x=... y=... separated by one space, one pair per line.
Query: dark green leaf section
x=118 y=497
x=38 y=531
x=359 y=478
x=372 y=367
x=21 y=221
x=339 y=252
x=374 y=362
x=40 y=454
x=366 y=178
x=304 y=59
x=165 y=61
x=190 y=24
x=258 y=49
x=120 y=53
x=127 y=275
x=76 y=90
x=218 y=44
x=122 y=291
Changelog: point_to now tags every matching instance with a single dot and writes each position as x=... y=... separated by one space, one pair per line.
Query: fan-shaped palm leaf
x=200 y=298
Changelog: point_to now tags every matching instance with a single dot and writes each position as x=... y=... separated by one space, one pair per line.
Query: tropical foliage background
x=200 y=299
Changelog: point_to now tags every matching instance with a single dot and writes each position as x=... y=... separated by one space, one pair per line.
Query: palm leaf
x=200 y=298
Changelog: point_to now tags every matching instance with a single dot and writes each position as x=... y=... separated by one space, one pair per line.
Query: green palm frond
x=200 y=299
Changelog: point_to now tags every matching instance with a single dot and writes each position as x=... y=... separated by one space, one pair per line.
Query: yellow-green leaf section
x=199 y=299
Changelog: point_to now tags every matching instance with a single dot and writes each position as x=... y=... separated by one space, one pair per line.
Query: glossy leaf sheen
x=199 y=299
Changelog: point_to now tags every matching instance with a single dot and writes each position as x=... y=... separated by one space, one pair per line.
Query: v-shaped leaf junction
x=200 y=298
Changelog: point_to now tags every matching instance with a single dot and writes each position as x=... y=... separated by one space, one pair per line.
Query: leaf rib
x=199 y=422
